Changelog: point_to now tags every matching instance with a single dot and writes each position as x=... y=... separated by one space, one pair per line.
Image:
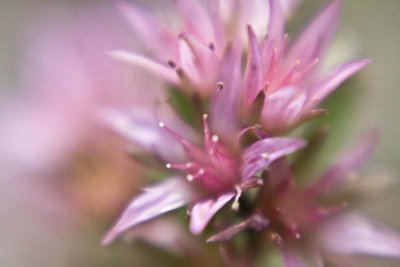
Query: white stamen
x=168 y=165
x=205 y=116
x=215 y=138
x=161 y=124
x=189 y=177
x=235 y=204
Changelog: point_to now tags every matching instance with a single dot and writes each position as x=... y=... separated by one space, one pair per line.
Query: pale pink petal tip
x=153 y=67
x=262 y=153
x=353 y=234
x=152 y=202
x=203 y=211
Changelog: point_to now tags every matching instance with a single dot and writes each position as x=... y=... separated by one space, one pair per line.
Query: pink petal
x=159 y=70
x=203 y=211
x=276 y=23
x=197 y=60
x=283 y=107
x=197 y=20
x=334 y=79
x=253 y=81
x=337 y=174
x=225 y=103
x=152 y=202
x=151 y=30
x=143 y=131
x=317 y=34
x=291 y=259
x=354 y=234
x=262 y=153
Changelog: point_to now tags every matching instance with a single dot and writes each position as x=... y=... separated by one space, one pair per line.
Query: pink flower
x=294 y=218
x=284 y=75
x=215 y=173
x=191 y=54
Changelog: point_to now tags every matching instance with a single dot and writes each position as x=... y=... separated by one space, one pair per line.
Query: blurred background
x=63 y=179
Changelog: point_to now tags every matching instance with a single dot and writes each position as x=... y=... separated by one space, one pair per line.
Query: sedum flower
x=210 y=176
x=217 y=137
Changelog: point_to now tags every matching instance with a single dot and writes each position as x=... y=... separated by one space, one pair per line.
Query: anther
x=211 y=46
x=171 y=64
x=264 y=155
x=220 y=85
x=161 y=124
x=215 y=138
x=180 y=72
x=168 y=165
x=189 y=177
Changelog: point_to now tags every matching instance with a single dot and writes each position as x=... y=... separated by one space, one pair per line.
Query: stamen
x=215 y=138
x=168 y=165
x=180 y=72
x=220 y=86
x=264 y=155
x=291 y=73
x=171 y=64
x=161 y=124
x=235 y=204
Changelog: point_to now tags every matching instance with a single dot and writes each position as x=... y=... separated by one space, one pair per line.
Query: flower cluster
x=217 y=133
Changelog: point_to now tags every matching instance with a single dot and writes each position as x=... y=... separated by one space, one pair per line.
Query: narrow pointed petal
x=333 y=80
x=141 y=130
x=150 y=29
x=253 y=81
x=354 y=234
x=197 y=60
x=262 y=153
x=203 y=211
x=225 y=104
x=256 y=222
x=156 y=68
x=320 y=31
x=337 y=174
x=291 y=259
x=155 y=201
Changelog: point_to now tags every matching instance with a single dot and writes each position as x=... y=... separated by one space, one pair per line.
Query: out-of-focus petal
x=318 y=32
x=198 y=60
x=260 y=155
x=354 y=234
x=225 y=107
x=256 y=222
x=338 y=173
x=203 y=211
x=143 y=131
x=276 y=23
x=154 y=201
x=197 y=20
x=158 y=69
x=333 y=80
x=151 y=30
x=253 y=81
